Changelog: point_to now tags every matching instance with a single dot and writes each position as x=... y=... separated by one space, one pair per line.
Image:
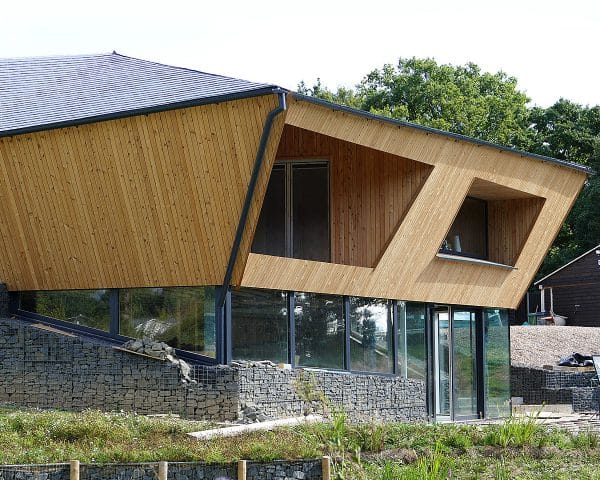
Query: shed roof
x=596 y=248
x=43 y=92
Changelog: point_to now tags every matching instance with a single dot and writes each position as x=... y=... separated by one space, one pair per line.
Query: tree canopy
x=489 y=106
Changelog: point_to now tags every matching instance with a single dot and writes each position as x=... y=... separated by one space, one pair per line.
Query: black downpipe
x=266 y=133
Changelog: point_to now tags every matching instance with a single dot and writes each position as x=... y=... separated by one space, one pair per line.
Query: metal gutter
x=262 y=146
x=455 y=136
x=142 y=111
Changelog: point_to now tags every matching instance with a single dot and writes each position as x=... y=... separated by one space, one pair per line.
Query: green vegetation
x=463 y=99
x=516 y=449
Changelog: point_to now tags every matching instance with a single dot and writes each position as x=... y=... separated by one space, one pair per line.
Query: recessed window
x=468 y=235
x=493 y=223
x=294 y=220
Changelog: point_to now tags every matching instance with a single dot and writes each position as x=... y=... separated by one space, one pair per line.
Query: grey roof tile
x=41 y=91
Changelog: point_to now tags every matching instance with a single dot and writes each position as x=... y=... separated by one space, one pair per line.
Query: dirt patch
x=537 y=346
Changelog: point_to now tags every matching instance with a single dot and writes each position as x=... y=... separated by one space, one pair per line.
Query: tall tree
x=460 y=99
x=571 y=132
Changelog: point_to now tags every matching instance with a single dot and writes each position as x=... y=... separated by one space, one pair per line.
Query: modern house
x=572 y=291
x=238 y=220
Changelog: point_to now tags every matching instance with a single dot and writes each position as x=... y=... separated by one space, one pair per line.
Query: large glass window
x=320 y=330
x=412 y=358
x=181 y=317
x=89 y=308
x=294 y=220
x=468 y=234
x=497 y=362
x=259 y=325
x=371 y=335
x=269 y=238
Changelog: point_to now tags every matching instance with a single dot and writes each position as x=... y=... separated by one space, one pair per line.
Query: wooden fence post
x=241 y=470
x=326 y=467
x=74 y=471
x=163 y=469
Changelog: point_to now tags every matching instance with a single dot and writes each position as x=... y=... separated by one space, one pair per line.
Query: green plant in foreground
x=502 y=473
x=515 y=431
x=436 y=466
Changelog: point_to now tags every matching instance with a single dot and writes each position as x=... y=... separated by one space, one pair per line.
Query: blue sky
x=551 y=46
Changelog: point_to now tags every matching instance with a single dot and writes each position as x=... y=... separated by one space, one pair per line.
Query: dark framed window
x=294 y=220
x=468 y=235
x=89 y=308
x=182 y=317
x=412 y=353
x=320 y=330
x=371 y=335
x=259 y=325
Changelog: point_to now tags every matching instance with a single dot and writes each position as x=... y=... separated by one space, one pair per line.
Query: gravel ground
x=535 y=346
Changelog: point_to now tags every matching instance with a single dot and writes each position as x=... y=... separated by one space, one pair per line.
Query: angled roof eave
x=457 y=136
x=597 y=247
x=271 y=89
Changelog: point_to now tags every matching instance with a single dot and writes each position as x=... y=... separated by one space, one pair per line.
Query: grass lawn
x=516 y=449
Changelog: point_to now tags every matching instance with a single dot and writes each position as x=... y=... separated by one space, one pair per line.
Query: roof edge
x=271 y=89
x=597 y=247
x=456 y=136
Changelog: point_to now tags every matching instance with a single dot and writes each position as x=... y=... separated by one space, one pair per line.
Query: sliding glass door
x=455 y=382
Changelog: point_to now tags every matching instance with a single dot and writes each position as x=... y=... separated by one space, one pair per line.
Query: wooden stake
x=74 y=473
x=241 y=470
x=326 y=467
x=163 y=469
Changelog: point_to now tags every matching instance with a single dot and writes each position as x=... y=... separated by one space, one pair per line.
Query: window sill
x=476 y=261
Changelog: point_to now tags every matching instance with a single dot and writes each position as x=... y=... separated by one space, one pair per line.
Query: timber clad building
x=237 y=220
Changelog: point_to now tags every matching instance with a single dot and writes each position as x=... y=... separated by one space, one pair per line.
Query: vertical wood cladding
x=509 y=224
x=139 y=201
x=370 y=192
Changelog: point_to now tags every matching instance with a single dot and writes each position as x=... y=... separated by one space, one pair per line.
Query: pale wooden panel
x=492 y=191
x=370 y=191
x=509 y=224
x=140 y=201
x=409 y=268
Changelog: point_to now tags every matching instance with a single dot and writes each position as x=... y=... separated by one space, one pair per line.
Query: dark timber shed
x=575 y=290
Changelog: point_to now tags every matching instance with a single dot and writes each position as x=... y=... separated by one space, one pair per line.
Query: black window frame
x=288 y=167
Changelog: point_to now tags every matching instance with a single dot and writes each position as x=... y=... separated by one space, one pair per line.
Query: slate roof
x=40 y=92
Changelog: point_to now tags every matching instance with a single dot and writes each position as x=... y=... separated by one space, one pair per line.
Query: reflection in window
x=497 y=362
x=259 y=325
x=468 y=234
x=181 y=317
x=294 y=219
x=89 y=308
x=371 y=335
x=412 y=358
x=320 y=330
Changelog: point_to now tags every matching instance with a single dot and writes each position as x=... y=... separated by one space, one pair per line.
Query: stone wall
x=538 y=386
x=586 y=399
x=275 y=392
x=43 y=368
x=277 y=470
